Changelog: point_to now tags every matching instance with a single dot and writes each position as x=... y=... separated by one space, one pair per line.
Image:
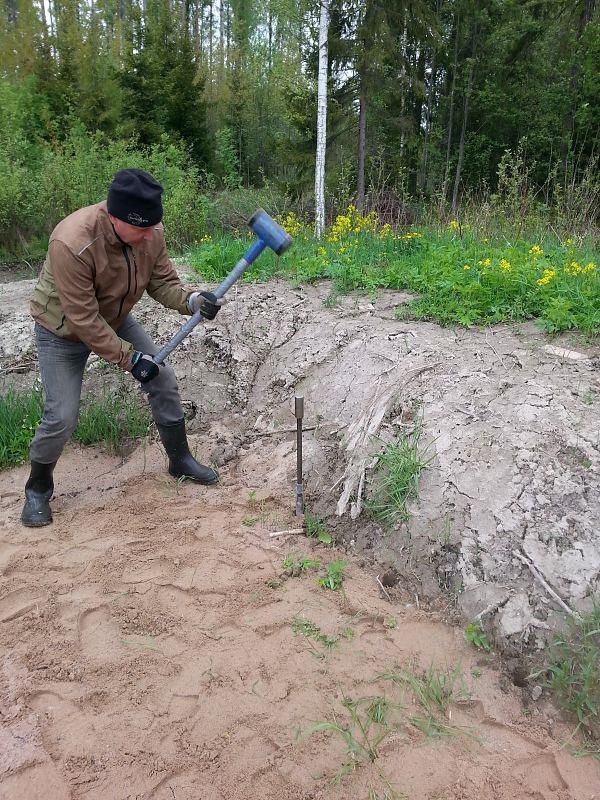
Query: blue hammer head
x=269 y=232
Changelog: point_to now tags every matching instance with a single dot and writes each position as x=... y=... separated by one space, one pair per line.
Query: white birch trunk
x=321 y=122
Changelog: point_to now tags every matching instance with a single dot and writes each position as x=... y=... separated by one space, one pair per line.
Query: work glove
x=143 y=368
x=207 y=303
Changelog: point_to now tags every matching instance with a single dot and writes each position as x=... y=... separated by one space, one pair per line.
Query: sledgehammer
x=269 y=234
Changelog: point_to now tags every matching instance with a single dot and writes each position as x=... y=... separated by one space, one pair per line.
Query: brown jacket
x=91 y=281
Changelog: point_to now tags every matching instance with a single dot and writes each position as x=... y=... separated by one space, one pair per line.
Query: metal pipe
x=299 y=414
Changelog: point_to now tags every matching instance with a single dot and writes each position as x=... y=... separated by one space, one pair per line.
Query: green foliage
x=296 y=565
x=365 y=725
x=20 y=414
x=304 y=627
x=475 y=635
x=573 y=673
x=227 y=158
x=434 y=691
x=112 y=420
x=335 y=575
x=315 y=528
x=397 y=479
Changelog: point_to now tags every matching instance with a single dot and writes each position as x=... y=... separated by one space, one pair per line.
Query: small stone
x=536 y=692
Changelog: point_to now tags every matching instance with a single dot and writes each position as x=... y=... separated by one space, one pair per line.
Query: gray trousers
x=62 y=363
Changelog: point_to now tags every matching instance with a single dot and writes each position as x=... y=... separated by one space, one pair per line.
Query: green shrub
x=20 y=414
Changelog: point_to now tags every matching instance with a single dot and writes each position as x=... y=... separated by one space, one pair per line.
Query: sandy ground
x=147 y=652
x=147 y=647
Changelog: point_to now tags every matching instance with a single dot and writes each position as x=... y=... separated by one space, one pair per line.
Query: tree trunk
x=461 y=146
x=569 y=119
x=321 y=121
x=222 y=37
x=402 y=85
x=362 y=141
x=450 y=119
x=422 y=176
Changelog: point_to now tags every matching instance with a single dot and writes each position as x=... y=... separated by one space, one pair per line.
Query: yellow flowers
x=575 y=268
x=322 y=251
x=466 y=266
x=454 y=225
x=536 y=250
x=505 y=265
x=206 y=238
x=352 y=222
x=548 y=275
x=486 y=262
x=291 y=224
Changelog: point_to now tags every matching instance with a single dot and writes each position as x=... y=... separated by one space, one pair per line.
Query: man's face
x=131 y=234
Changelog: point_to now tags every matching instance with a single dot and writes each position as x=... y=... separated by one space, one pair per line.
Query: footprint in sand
x=35 y=783
x=99 y=636
x=67 y=731
x=18 y=602
x=7 y=550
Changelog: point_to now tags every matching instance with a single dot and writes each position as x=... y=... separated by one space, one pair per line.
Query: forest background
x=437 y=110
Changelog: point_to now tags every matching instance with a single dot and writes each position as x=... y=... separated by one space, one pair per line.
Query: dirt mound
x=149 y=647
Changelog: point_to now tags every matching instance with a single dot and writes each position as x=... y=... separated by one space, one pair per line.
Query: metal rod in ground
x=299 y=413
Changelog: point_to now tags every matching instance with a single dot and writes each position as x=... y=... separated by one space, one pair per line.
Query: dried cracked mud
x=147 y=647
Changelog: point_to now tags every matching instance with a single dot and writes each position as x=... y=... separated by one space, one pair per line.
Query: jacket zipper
x=128 y=281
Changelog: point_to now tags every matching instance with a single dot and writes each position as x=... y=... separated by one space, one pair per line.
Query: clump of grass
x=434 y=690
x=112 y=421
x=573 y=674
x=296 y=565
x=365 y=724
x=475 y=635
x=20 y=414
x=397 y=479
x=334 y=577
x=315 y=529
x=304 y=627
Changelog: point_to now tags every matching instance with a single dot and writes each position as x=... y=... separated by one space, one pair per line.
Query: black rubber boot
x=182 y=463
x=38 y=491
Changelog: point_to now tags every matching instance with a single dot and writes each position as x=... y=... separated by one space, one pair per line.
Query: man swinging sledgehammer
x=100 y=261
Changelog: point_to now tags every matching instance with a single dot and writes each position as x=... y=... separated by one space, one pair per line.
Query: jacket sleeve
x=164 y=285
x=74 y=282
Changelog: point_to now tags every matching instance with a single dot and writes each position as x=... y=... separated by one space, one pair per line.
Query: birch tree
x=321 y=121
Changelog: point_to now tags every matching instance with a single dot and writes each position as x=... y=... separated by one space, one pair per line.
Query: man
x=100 y=261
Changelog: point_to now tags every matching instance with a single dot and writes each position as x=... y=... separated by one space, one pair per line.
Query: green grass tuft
x=112 y=421
x=397 y=479
x=20 y=414
x=573 y=674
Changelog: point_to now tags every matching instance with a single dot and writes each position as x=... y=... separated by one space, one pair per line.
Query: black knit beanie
x=134 y=197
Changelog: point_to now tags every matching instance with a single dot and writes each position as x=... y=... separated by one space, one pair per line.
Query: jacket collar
x=106 y=226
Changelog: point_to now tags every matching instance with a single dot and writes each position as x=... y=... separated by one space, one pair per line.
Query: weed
x=391 y=623
x=112 y=420
x=434 y=690
x=249 y=521
x=475 y=635
x=397 y=479
x=252 y=500
x=20 y=414
x=573 y=673
x=304 y=627
x=367 y=723
x=335 y=575
x=315 y=528
x=296 y=565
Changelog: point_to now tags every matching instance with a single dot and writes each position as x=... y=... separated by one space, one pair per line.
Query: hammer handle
x=236 y=273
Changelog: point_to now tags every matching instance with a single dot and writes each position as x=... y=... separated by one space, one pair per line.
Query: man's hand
x=207 y=303
x=143 y=368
